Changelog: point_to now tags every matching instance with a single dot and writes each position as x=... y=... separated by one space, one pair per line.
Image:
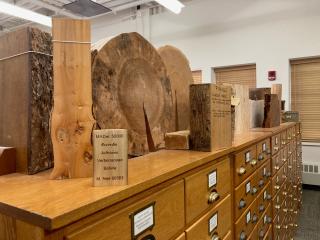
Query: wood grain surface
x=177 y=140
x=131 y=90
x=72 y=121
x=7 y=160
x=256 y=113
x=26 y=96
x=180 y=76
x=271 y=111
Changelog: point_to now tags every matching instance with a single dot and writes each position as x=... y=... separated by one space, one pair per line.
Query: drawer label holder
x=212 y=179
x=142 y=220
x=247 y=156
x=213 y=223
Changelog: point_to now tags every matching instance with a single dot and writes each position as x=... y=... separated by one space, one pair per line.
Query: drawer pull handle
x=278 y=227
x=289 y=152
x=268 y=151
x=296 y=225
x=284 y=193
x=261 y=234
x=260 y=157
x=261 y=208
x=243 y=236
x=276 y=148
x=241 y=171
x=149 y=237
x=242 y=204
x=295 y=199
x=254 y=218
x=277 y=207
x=269 y=197
x=213 y=197
x=261 y=183
x=283 y=142
x=269 y=220
x=285 y=227
x=215 y=237
x=289 y=138
x=284 y=159
x=268 y=174
x=290 y=196
x=254 y=190
x=290 y=166
x=285 y=210
x=276 y=167
x=277 y=187
x=253 y=162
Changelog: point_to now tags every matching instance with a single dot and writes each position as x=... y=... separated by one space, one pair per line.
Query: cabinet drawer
x=264 y=200
x=263 y=175
x=284 y=140
x=181 y=237
x=168 y=209
x=269 y=234
x=246 y=223
x=289 y=134
x=244 y=195
x=265 y=223
x=228 y=237
x=276 y=162
x=284 y=155
x=206 y=188
x=275 y=144
x=297 y=128
x=245 y=163
x=279 y=179
x=277 y=201
x=215 y=223
x=263 y=151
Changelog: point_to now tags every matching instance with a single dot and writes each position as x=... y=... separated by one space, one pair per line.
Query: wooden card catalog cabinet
x=210 y=118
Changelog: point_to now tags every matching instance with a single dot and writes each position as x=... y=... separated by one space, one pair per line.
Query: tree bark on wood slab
x=277 y=89
x=72 y=121
x=271 y=111
x=131 y=91
x=210 y=117
x=26 y=97
x=180 y=76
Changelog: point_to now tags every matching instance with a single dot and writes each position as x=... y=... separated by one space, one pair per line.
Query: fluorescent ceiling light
x=20 y=12
x=173 y=5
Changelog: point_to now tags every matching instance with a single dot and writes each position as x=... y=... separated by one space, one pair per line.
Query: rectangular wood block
x=271 y=111
x=7 y=160
x=210 y=117
x=26 y=97
x=256 y=113
x=177 y=140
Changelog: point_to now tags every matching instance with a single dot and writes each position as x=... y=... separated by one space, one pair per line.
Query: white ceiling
x=55 y=8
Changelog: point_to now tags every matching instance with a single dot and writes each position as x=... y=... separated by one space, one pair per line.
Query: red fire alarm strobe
x=272 y=75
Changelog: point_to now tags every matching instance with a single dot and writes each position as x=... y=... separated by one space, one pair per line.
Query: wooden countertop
x=52 y=204
x=241 y=141
x=274 y=130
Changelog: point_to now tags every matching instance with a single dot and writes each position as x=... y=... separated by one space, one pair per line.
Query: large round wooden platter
x=180 y=76
x=131 y=90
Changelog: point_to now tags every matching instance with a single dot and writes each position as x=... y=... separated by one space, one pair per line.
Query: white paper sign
x=265 y=219
x=248 y=217
x=276 y=141
x=248 y=156
x=264 y=195
x=143 y=220
x=212 y=179
x=264 y=171
x=264 y=147
x=213 y=222
x=248 y=187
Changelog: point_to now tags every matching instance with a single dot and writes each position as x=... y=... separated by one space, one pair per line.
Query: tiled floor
x=309 y=220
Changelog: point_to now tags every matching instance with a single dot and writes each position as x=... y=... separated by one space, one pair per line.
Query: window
x=197 y=76
x=305 y=97
x=244 y=75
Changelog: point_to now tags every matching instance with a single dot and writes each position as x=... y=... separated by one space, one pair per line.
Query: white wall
x=218 y=33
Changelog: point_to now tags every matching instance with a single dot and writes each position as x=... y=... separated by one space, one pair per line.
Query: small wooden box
x=7 y=160
x=291 y=116
x=210 y=117
x=177 y=140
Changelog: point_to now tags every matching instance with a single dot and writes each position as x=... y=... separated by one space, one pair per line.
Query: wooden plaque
x=210 y=117
x=110 y=151
x=7 y=160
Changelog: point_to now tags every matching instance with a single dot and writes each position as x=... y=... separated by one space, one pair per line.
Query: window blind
x=244 y=75
x=305 y=97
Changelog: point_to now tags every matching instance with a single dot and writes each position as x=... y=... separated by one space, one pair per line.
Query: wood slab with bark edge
x=277 y=89
x=180 y=76
x=72 y=121
x=131 y=91
x=271 y=111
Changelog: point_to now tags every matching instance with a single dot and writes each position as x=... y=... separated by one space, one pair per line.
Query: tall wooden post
x=72 y=121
